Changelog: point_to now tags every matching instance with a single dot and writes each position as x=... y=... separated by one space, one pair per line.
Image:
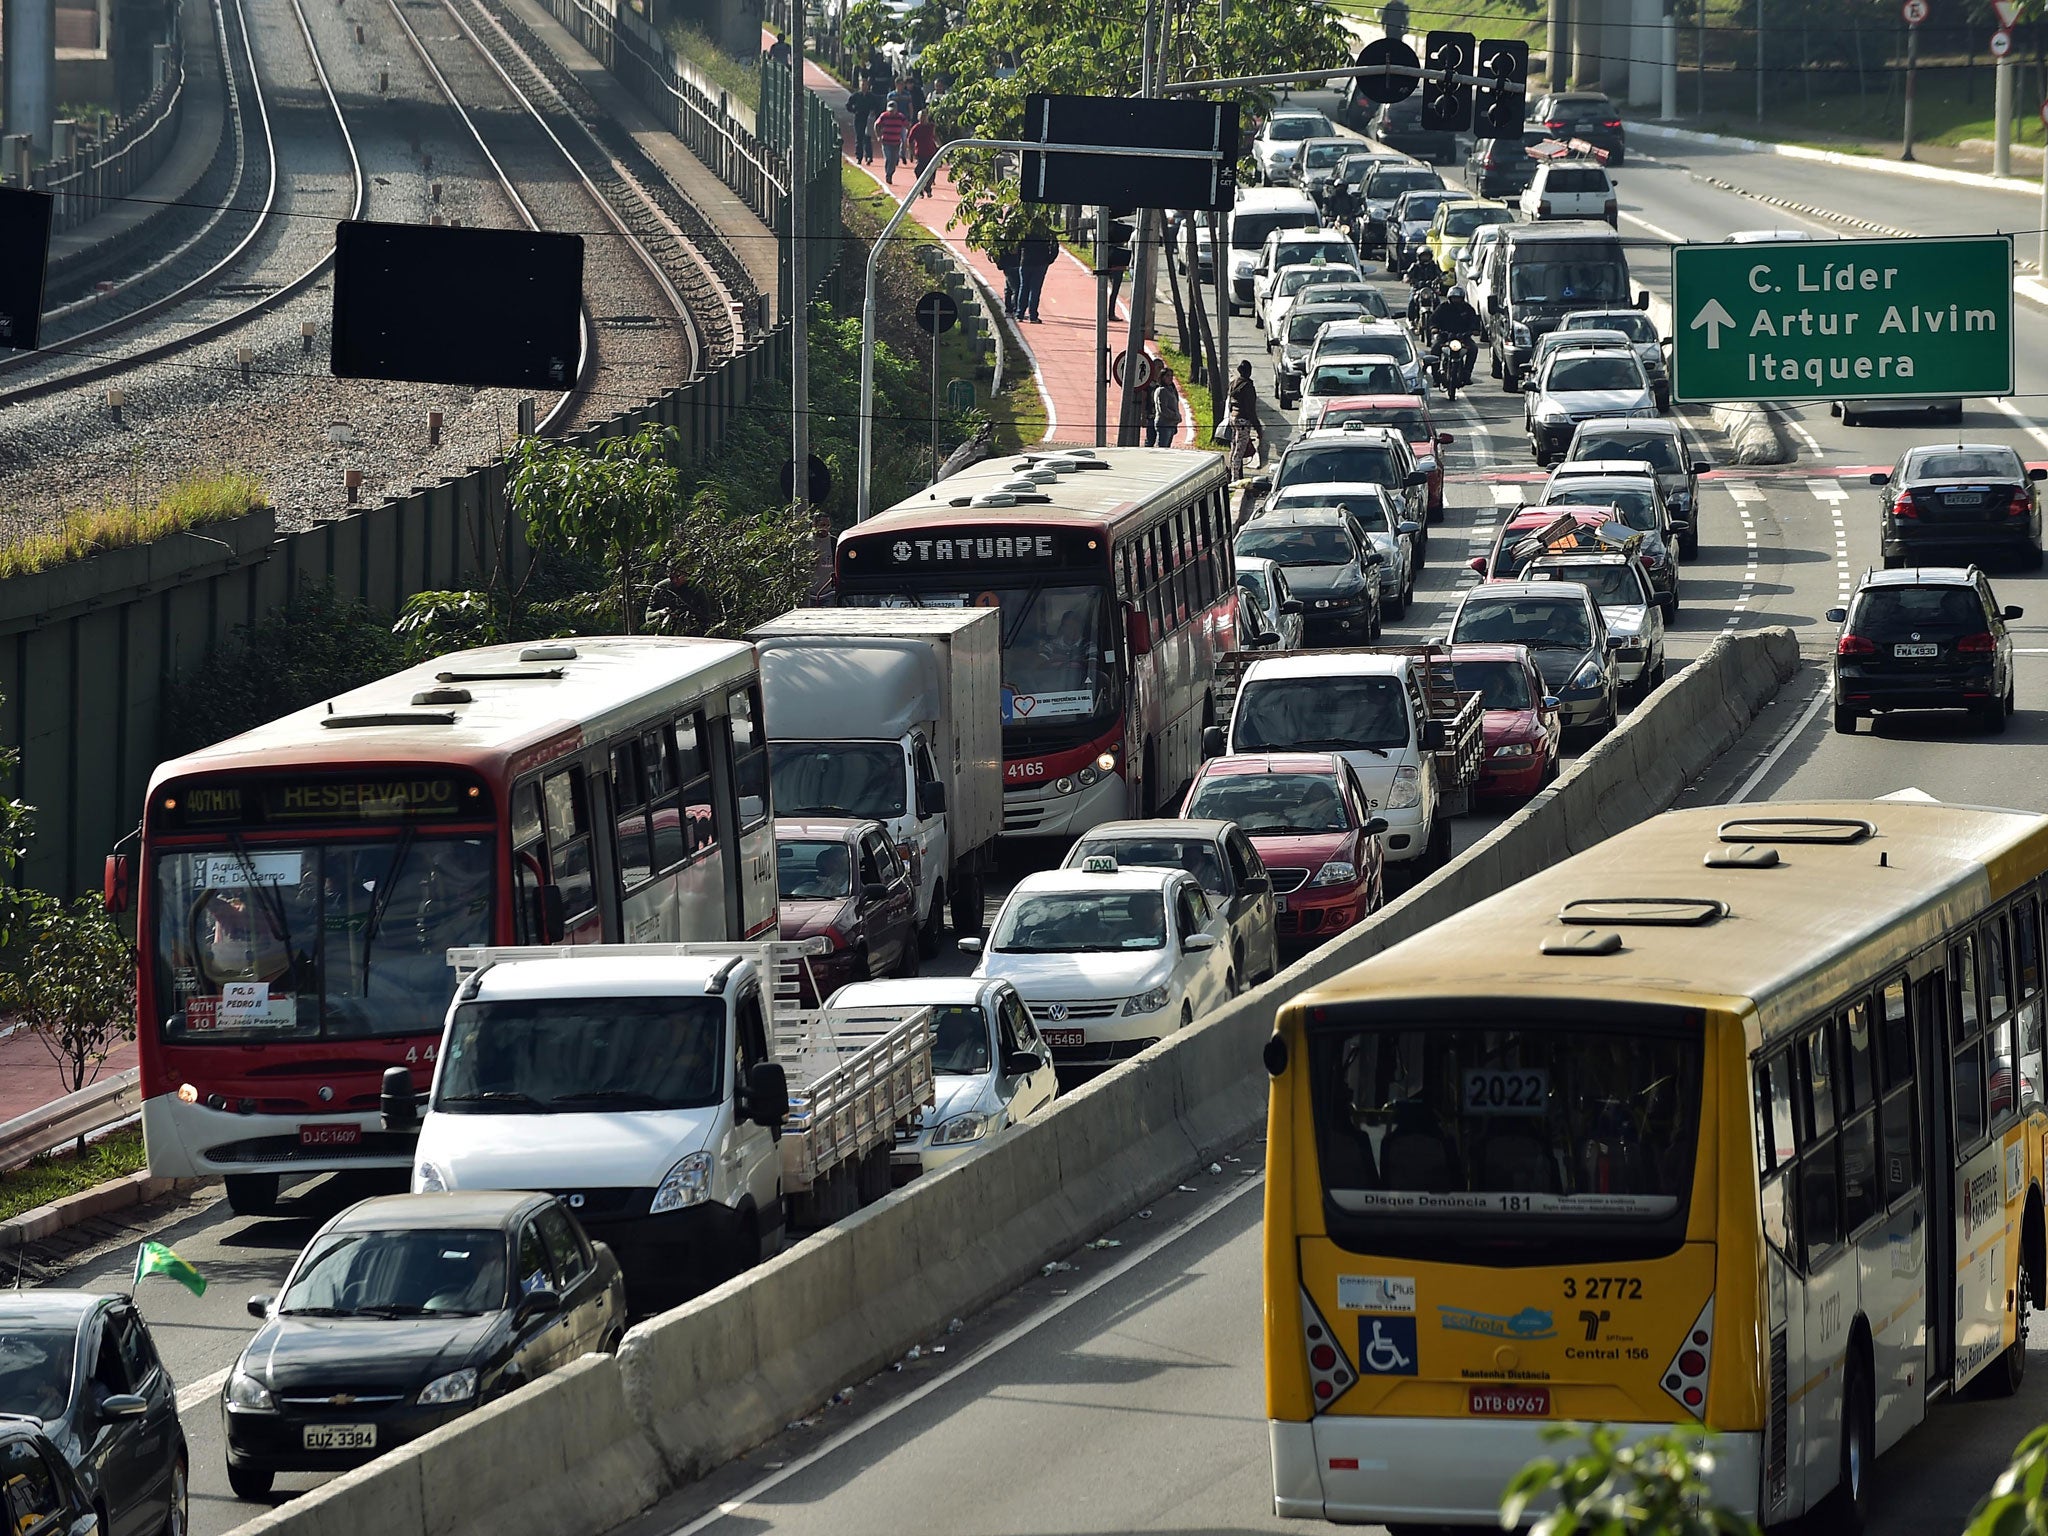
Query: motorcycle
x=1423 y=299
x=1451 y=365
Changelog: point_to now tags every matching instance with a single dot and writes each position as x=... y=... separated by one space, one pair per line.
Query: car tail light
x=1554 y=124
x=1329 y=1373
x=1543 y=207
x=1905 y=506
x=1611 y=210
x=1685 y=1378
x=1976 y=645
x=2020 y=505
x=1615 y=124
x=1855 y=645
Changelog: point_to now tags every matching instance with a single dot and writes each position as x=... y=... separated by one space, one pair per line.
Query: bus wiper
x=269 y=898
x=382 y=899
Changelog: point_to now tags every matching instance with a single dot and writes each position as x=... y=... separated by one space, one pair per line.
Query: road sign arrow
x=1713 y=317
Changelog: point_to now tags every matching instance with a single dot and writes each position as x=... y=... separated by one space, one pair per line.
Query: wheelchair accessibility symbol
x=1386 y=1346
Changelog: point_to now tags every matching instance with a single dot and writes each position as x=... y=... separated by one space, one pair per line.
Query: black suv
x=1933 y=637
x=1499 y=168
x=1961 y=498
x=1586 y=115
x=1398 y=125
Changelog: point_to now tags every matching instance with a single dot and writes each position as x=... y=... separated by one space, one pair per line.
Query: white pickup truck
x=1393 y=713
x=672 y=1094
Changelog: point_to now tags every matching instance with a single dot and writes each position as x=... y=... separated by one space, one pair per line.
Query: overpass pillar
x=30 y=45
x=1645 y=52
x=1616 y=47
x=1586 y=30
x=1557 y=45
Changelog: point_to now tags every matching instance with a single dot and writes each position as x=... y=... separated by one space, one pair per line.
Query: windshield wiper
x=609 y=1096
x=391 y=1309
x=495 y=1096
x=382 y=899
x=1332 y=744
x=315 y=1312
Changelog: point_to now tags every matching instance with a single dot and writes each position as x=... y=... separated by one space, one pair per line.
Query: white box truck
x=673 y=1094
x=894 y=714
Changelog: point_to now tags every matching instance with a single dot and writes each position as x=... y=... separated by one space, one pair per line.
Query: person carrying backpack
x=1164 y=423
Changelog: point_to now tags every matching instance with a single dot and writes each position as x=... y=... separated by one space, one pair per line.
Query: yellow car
x=1455 y=222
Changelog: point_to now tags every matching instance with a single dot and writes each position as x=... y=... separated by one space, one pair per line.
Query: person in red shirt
x=924 y=143
x=891 y=129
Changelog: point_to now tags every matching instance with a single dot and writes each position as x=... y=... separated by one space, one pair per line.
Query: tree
x=611 y=503
x=2018 y=1502
x=1654 y=1487
x=72 y=982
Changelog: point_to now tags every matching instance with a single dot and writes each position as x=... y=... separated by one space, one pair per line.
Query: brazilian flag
x=156 y=1259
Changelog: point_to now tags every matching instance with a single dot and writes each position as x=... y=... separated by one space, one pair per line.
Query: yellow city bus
x=1729 y=1119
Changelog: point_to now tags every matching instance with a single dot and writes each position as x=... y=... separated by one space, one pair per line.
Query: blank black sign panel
x=24 y=258
x=1133 y=180
x=439 y=305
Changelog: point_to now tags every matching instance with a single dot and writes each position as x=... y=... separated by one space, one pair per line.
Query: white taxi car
x=990 y=1066
x=1108 y=960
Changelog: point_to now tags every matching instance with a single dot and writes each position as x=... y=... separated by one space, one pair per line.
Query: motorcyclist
x=1455 y=316
x=1423 y=272
x=1340 y=202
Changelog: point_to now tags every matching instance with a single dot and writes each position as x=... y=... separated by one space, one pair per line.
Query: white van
x=1260 y=211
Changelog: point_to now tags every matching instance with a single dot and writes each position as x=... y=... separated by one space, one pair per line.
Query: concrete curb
x=694 y=1387
x=136 y=1189
x=1832 y=157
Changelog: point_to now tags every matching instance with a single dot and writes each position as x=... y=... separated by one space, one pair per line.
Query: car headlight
x=431 y=1179
x=1589 y=675
x=1406 y=793
x=962 y=1128
x=1146 y=1002
x=248 y=1394
x=1521 y=333
x=687 y=1184
x=455 y=1387
x=1515 y=749
x=1336 y=872
x=1553 y=414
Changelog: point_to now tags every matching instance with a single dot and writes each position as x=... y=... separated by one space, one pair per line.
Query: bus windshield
x=1517 y=1124
x=336 y=940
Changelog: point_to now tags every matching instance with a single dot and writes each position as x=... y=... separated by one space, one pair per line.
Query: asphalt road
x=1127 y=1393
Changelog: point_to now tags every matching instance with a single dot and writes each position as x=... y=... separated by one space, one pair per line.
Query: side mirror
x=931 y=798
x=1879 y=477
x=117 y=886
x=1550 y=701
x=969 y=945
x=1294 y=605
x=535 y=1306
x=1700 y=466
x=872 y=892
x=1643 y=299
x=124 y=1405
x=1615 y=642
x=1837 y=615
x=2013 y=613
x=1265 y=638
x=2037 y=473
x=1021 y=1063
x=1260 y=485
x=1196 y=943
x=1418 y=479
x=1374 y=826
x=1493 y=306
x=259 y=1307
x=1214 y=743
x=398 y=1100
x=768 y=1095
x=1434 y=738
x=1664 y=341
x=1138 y=630
x=1372 y=555
x=1477 y=563
x=1408 y=525
x=1444 y=439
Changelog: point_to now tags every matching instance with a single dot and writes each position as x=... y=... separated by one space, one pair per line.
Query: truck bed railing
x=850 y=1082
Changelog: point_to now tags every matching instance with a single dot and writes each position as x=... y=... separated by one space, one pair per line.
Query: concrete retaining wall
x=694 y=1387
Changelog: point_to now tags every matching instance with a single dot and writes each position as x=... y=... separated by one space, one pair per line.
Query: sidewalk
x=1061 y=350
x=31 y=1078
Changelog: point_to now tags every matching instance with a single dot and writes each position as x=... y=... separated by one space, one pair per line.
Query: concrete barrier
x=579 y=1452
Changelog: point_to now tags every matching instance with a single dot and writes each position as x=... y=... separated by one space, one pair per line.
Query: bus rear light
x=1329 y=1373
x=1685 y=1379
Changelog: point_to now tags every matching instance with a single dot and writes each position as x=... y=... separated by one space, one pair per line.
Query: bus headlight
x=1087 y=776
x=1106 y=762
x=1063 y=786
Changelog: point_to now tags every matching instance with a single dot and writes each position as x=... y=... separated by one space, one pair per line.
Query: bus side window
x=697 y=830
x=749 y=755
x=1778 y=1152
x=1862 y=1195
x=629 y=810
x=529 y=863
x=565 y=801
x=1820 y=1184
x=2026 y=966
x=1898 y=1117
x=1967 y=1062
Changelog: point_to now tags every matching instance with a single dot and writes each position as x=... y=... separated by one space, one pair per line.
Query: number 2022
x=1603 y=1288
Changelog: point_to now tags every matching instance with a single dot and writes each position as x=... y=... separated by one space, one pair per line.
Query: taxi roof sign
x=1099 y=864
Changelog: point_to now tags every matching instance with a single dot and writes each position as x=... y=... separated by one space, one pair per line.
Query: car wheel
x=1894 y=562
x=1670 y=606
x=1663 y=402
x=966 y=904
x=250 y=1484
x=1616 y=158
x=1542 y=458
x=1850 y=418
x=1230 y=987
x=252 y=1194
x=1689 y=545
x=931 y=935
x=178 y=1518
x=908 y=964
x=1845 y=721
x=1954 y=414
x=1187 y=1015
x=860 y=970
x=2031 y=560
x=1991 y=717
x=1398 y=605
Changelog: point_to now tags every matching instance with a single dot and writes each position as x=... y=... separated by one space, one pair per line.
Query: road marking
x=1777 y=751
x=2006 y=407
x=993 y=1347
x=1806 y=437
x=207 y=1386
x=1662 y=234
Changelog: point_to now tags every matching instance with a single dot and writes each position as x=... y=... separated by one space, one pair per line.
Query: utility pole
x=799 y=271
x=1101 y=328
x=1143 y=278
x=1760 y=69
x=2001 y=113
x=1912 y=63
x=1219 y=267
x=1668 y=94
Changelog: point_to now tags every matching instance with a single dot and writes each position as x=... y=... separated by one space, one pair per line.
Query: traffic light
x=1119 y=228
x=1373 y=59
x=1504 y=65
x=1447 y=104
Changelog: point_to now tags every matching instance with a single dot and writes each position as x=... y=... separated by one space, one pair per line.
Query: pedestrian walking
x=1243 y=401
x=862 y=105
x=779 y=50
x=924 y=144
x=1040 y=251
x=1008 y=258
x=891 y=129
x=1164 y=424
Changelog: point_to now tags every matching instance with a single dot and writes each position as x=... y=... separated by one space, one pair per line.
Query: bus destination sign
x=943 y=549
x=298 y=801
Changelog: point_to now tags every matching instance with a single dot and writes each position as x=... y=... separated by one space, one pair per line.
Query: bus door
x=1937 y=1157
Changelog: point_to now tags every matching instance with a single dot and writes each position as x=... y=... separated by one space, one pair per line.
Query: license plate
x=1065 y=1039
x=331 y=1135
x=339 y=1437
x=1509 y=1402
x=1279 y=903
x=1916 y=652
x=1956 y=500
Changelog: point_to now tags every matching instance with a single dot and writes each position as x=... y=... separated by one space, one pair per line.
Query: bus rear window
x=1522 y=1132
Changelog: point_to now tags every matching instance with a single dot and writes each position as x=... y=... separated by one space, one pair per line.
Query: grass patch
x=741 y=78
x=191 y=503
x=1951 y=103
x=54 y=1176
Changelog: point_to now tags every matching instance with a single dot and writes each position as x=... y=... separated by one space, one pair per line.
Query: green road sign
x=1842 y=319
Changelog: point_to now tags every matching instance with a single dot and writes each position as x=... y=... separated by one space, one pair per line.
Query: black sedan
x=39 y=1493
x=86 y=1368
x=407 y=1311
x=1942 y=501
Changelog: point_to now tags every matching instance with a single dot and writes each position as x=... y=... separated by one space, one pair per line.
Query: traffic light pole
x=864 y=490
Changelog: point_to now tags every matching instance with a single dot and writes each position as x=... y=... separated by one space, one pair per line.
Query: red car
x=1522 y=733
x=841 y=879
x=1500 y=563
x=1309 y=819
x=1408 y=412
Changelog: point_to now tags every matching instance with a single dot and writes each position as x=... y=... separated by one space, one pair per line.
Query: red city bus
x=1114 y=572
x=301 y=884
